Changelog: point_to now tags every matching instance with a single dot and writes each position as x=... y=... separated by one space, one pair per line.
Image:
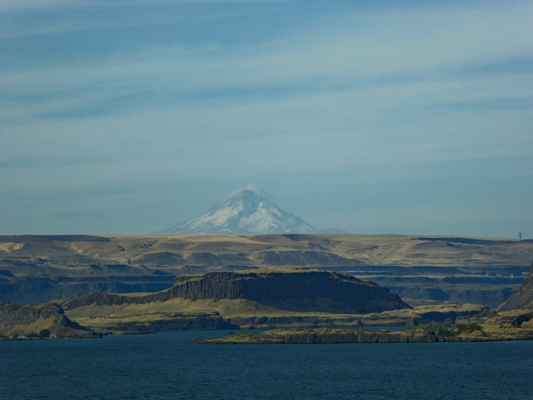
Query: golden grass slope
x=264 y=250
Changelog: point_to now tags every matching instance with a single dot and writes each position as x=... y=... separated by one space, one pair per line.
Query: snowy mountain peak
x=244 y=213
x=244 y=198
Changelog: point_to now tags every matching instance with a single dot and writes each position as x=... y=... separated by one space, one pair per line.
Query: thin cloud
x=310 y=63
x=77 y=215
x=38 y=5
x=29 y=5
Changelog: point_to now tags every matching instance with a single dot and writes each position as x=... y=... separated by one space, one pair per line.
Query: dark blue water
x=164 y=366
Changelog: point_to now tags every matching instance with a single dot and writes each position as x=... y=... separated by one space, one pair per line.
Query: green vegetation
x=445 y=329
x=43 y=334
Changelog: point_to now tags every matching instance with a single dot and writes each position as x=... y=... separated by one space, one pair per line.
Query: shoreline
x=341 y=336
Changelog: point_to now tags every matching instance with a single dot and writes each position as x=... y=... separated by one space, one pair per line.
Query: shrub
x=445 y=332
x=434 y=326
x=445 y=329
x=45 y=333
x=470 y=327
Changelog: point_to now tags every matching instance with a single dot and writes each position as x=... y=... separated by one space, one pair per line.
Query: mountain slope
x=244 y=213
x=522 y=298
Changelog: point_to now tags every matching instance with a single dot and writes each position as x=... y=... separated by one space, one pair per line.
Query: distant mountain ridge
x=245 y=213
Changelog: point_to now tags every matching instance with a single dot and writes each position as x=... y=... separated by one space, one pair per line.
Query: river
x=165 y=366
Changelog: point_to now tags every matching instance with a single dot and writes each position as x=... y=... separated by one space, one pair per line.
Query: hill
x=257 y=299
x=43 y=321
x=287 y=289
x=36 y=269
x=522 y=298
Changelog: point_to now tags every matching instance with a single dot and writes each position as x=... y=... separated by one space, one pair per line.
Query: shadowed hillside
x=523 y=298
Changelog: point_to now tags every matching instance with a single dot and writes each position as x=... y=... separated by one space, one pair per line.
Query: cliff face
x=16 y=314
x=523 y=298
x=286 y=290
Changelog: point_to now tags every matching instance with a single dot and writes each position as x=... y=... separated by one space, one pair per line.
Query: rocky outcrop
x=16 y=314
x=282 y=288
x=354 y=293
x=523 y=298
x=325 y=336
x=333 y=336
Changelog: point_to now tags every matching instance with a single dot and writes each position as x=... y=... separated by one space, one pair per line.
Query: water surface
x=165 y=366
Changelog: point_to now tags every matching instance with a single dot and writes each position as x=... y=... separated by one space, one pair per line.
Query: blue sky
x=405 y=117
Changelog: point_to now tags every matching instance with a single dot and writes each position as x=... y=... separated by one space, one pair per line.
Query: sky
x=376 y=117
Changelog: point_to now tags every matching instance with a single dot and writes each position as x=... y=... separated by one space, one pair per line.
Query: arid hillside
x=36 y=269
x=522 y=298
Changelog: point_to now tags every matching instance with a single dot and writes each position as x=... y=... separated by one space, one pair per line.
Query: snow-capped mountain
x=244 y=213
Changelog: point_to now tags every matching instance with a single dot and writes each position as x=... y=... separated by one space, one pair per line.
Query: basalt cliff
x=26 y=321
x=523 y=298
x=287 y=289
x=232 y=300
